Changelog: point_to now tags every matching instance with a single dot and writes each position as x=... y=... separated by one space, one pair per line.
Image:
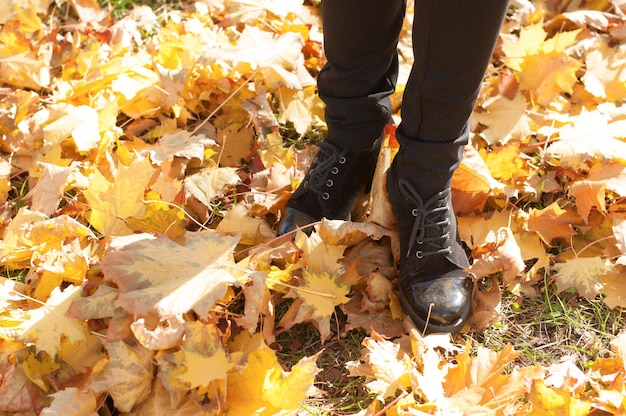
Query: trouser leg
x=360 y=42
x=453 y=41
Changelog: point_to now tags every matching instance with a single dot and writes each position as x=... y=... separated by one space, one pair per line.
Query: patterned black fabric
x=452 y=41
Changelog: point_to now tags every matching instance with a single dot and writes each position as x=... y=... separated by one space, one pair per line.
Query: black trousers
x=453 y=41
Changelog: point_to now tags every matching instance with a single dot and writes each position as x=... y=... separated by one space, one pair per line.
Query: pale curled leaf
x=71 y=401
x=157 y=275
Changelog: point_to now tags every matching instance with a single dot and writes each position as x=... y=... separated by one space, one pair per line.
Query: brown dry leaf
x=499 y=253
x=168 y=333
x=127 y=377
x=157 y=275
x=486 y=306
x=591 y=191
x=381 y=212
x=583 y=274
x=382 y=322
x=553 y=222
x=17 y=393
x=98 y=305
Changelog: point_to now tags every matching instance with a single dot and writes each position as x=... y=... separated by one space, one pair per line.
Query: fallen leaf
x=48 y=324
x=551 y=401
x=127 y=376
x=553 y=222
x=582 y=273
x=113 y=202
x=72 y=401
x=157 y=275
x=260 y=387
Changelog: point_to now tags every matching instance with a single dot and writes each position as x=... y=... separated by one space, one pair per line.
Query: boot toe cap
x=439 y=305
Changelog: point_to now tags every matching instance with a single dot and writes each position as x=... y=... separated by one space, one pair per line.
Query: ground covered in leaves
x=146 y=159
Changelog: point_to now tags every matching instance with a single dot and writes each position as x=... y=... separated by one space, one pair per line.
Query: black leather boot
x=330 y=186
x=435 y=291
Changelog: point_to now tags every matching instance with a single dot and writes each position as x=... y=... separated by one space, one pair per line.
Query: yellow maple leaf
x=112 y=202
x=252 y=230
x=48 y=324
x=545 y=69
x=203 y=358
x=505 y=163
x=5 y=183
x=583 y=274
x=551 y=401
x=57 y=266
x=37 y=367
x=322 y=292
x=159 y=218
x=264 y=388
x=49 y=189
x=473 y=183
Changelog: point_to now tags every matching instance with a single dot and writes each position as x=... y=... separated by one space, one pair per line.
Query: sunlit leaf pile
x=146 y=161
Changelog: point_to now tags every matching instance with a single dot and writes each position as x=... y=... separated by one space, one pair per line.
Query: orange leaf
x=553 y=222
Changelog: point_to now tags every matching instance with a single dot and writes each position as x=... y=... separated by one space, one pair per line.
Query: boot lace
x=320 y=177
x=430 y=222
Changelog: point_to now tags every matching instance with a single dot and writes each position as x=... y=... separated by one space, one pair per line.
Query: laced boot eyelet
x=414 y=212
x=329 y=183
x=419 y=254
x=342 y=160
x=334 y=170
x=326 y=196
